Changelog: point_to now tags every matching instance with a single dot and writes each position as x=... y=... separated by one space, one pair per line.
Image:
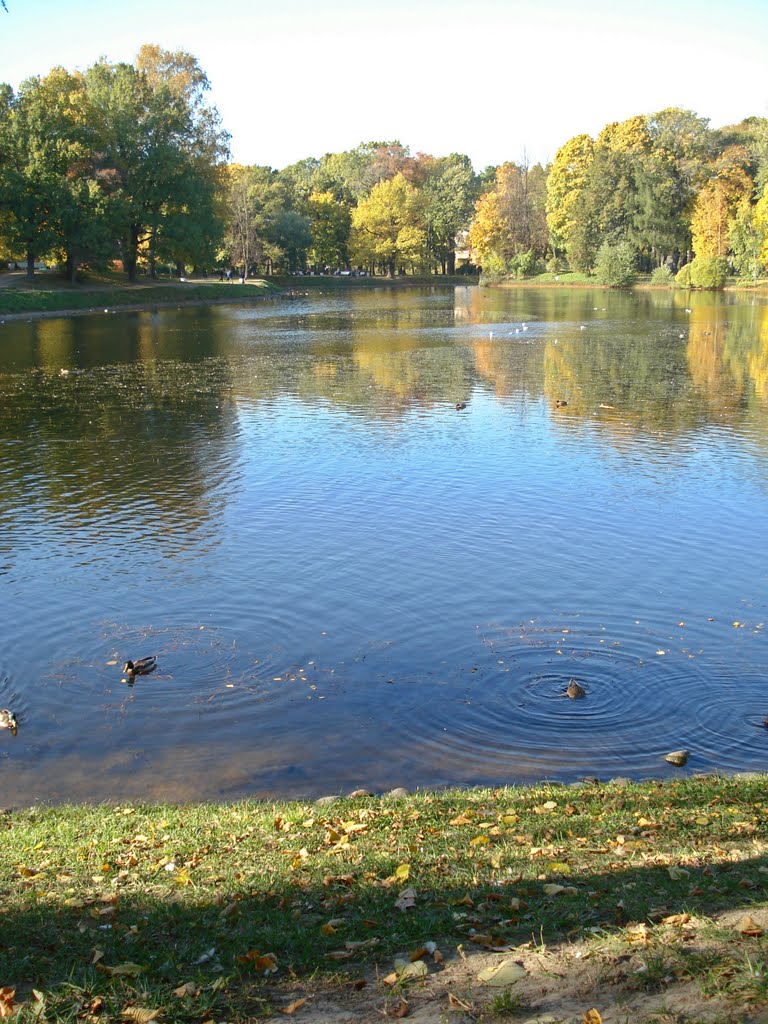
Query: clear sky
x=495 y=79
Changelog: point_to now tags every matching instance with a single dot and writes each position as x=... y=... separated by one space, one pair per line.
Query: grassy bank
x=47 y=294
x=235 y=911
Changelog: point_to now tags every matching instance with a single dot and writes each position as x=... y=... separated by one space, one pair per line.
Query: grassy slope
x=236 y=899
x=48 y=294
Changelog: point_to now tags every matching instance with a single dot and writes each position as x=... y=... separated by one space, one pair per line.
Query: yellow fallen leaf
x=189 y=988
x=592 y=1017
x=505 y=973
x=402 y=873
x=552 y=888
x=479 y=841
x=140 y=1014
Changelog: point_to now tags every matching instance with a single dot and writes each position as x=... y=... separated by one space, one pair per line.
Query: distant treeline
x=129 y=163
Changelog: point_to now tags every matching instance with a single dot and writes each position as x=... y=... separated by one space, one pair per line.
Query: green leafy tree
x=450 y=191
x=35 y=154
x=331 y=223
x=160 y=147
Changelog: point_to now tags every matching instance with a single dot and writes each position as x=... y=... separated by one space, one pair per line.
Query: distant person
x=229 y=275
x=221 y=275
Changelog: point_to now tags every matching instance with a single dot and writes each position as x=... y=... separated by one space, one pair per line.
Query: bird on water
x=142 y=667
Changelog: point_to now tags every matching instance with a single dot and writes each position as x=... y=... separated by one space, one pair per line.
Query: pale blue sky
x=495 y=79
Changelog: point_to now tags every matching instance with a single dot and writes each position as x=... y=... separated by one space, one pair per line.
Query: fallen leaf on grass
x=266 y=962
x=676 y=919
x=406 y=899
x=189 y=988
x=128 y=969
x=592 y=1017
x=140 y=1014
x=638 y=932
x=749 y=927
x=6 y=1001
x=505 y=973
x=291 y=1008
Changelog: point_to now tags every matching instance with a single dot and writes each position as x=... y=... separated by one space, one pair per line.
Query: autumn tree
x=717 y=201
x=510 y=220
x=388 y=228
x=605 y=212
x=564 y=186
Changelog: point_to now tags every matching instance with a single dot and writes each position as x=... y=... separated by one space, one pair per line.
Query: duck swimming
x=574 y=690
x=142 y=667
x=8 y=721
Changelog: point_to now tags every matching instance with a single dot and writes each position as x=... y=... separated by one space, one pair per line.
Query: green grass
x=47 y=294
x=231 y=898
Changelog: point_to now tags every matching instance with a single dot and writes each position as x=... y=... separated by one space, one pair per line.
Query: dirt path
x=578 y=983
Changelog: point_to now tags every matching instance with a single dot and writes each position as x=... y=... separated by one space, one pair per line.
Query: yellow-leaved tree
x=564 y=186
x=388 y=227
x=717 y=202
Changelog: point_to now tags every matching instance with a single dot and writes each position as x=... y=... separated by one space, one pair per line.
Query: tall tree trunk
x=72 y=265
x=451 y=262
x=30 y=265
x=391 y=268
x=130 y=255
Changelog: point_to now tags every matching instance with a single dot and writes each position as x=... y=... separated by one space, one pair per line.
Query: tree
x=450 y=191
x=564 y=185
x=160 y=147
x=615 y=264
x=331 y=222
x=388 y=227
x=717 y=201
x=36 y=150
x=510 y=220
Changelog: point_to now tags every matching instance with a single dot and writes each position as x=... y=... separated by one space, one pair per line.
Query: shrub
x=709 y=271
x=662 y=275
x=523 y=264
x=683 y=276
x=615 y=264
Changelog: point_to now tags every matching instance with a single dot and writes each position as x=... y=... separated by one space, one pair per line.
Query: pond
x=347 y=580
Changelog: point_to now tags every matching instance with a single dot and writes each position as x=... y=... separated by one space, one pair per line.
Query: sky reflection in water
x=349 y=582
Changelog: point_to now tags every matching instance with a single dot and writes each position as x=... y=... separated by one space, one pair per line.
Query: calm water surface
x=347 y=581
